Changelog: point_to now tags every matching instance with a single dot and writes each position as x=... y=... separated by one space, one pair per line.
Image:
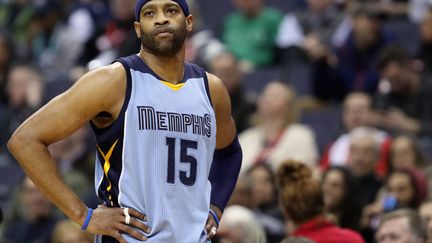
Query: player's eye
x=148 y=13
x=172 y=10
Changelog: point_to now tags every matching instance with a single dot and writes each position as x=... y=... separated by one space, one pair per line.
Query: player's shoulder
x=105 y=77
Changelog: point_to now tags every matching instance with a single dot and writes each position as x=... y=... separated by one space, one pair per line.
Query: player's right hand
x=111 y=222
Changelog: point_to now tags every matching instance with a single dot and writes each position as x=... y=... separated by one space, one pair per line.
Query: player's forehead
x=156 y=3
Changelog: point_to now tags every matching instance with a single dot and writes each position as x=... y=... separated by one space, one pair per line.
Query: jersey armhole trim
x=206 y=85
x=103 y=133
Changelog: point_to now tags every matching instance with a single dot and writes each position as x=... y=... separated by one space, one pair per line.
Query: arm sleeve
x=224 y=173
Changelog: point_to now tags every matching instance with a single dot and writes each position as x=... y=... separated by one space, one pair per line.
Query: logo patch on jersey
x=151 y=119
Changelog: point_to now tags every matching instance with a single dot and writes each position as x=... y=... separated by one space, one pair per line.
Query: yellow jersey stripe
x=107 y=164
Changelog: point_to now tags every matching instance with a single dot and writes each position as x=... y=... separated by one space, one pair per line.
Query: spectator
x=302 y=202
x=227 y=68
x=311 y=29
x=405 y=188
x=341 y=197
x=239 y=225
x=357 y=112
x=250 y=32
x=405 y=101
x=24 y=88
x=425 y=212
x=277 y=137
x=406 y=153
x=38 y=221
x=264 y=197
x=364 y=151
x=408 y=186
x=67 y=231
x=352 y=66
x=401 y=226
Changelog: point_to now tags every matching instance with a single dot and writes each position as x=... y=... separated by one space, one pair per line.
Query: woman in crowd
x=302 y=201
x=341 y=197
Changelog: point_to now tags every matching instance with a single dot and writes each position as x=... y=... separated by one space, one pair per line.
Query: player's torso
x=166 y=150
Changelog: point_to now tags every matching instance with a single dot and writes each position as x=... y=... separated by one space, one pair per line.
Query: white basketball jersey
x=157 y=155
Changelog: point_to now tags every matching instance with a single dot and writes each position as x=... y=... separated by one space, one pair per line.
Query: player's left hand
x=211 y=227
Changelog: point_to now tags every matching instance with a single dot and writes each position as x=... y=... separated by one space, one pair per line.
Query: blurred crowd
x=332 y=101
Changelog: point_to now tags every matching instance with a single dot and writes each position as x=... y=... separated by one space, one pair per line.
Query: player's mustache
x=164 y=29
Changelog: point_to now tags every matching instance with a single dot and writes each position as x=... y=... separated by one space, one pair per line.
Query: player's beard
x=166 y=46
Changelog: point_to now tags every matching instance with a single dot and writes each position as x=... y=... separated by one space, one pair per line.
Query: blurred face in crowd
x=399 y=76
x=242 y=194
x=123 y=10
x=402 y=153
x=356 y=110
x=399 y=185
x=365 y=30
x=162 y=27
x=425 y=212
x=395 y=230
x=23 y=84
x=363 y=156
x=274 y=101
x=225 y=66
x=319 y=5
x=426 y=28
x=333 y=189
x=249 y=7
x=36 y=204
x=263 y=187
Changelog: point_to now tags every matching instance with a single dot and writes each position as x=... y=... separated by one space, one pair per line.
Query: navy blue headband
x=139 y=4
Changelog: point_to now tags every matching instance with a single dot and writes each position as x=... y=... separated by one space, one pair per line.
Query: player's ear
x=137 y=29
x=189 y=23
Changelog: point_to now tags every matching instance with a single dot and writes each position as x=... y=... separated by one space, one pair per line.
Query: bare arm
x=97 y=91
x=226 y=129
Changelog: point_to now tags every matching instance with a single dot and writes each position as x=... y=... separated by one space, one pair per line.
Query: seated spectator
x=405 y=188
x=24 y=89
x=311 y=29
x=404 y=100
x=227 y=68
x=357 y=112
x=408 y=186
x=302 y=201
x=38 y=220
x=67 y=231
x=341 y=197
x=239 y=225
x=277 y=137
x=406 y=153
x=403 y=225
x=264 y=198
x=250 y=32
x=425 y=212
x=364 y=151
x=351 y=67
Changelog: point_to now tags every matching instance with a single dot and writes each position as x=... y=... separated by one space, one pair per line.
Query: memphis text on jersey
x=150 y=119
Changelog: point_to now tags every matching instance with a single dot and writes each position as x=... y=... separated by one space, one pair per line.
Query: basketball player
x=167 y=152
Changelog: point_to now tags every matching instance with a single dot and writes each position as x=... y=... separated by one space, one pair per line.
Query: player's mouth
x=164 y=31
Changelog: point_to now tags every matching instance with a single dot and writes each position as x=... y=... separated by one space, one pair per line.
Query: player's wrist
x=88 y=217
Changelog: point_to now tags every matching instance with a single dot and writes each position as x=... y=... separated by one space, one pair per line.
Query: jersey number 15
x=185 y=158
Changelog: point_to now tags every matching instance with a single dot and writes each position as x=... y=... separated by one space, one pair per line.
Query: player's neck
x=171 y=69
